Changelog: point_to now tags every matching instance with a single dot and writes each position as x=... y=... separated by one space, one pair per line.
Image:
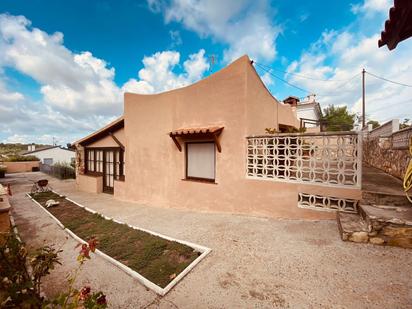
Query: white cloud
x=26 y=139
x=73 y=83
x=341 y=55
x=78 y=90
x=267 y=79
x=176 y=38
x=158 y=75
x=245 y=25
x=370 y=7
x=7 y=96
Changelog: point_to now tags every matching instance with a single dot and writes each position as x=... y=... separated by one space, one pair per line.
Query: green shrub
x=59 y=170
x=19 y=158
x=22 y=275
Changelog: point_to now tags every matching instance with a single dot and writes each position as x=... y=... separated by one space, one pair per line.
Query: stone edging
x=147 y=283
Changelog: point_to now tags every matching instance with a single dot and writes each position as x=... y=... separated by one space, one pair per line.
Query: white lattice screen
x=319 y=202
x=324 y=158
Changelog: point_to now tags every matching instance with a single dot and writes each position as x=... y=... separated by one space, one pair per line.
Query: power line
x=302 y=75
x=389 y=105
x=339 y=86
x=388 y=80
x=268 y=69
x=281 y=79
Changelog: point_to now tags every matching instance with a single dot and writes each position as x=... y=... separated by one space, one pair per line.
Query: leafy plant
x=338 y=118
x=59 y=170
x=374 y=123
x=22 y=289
x=271 y=131
x=405 y=124
x=21 y=278
x=288 y=130
x=82 y=298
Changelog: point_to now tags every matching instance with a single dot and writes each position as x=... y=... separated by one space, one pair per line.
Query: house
x=398 y=27
x=189 y=148
x=308 y=111
x=51 y=154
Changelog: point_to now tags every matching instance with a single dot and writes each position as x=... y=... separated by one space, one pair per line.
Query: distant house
x=308 y=111
x=51 y=154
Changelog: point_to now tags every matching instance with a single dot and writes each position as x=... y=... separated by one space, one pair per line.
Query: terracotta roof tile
x=203 y=130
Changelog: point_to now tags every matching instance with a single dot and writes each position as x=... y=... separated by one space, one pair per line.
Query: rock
x=359 y=237
x=376 y=241
x=51 y=203
x=373 y=233
x=401 y=242
x=397 y=231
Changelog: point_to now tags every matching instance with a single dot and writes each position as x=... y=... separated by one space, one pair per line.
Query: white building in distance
x=51 y=154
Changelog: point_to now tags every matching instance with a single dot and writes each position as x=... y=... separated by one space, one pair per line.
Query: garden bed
x=157 y=259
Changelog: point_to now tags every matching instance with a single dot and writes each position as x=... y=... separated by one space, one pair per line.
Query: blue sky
x=65 y=64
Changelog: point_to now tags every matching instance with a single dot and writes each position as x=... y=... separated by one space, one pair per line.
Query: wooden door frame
x=106 y=189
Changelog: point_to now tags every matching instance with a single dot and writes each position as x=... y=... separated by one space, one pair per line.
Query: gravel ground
x=255 y=262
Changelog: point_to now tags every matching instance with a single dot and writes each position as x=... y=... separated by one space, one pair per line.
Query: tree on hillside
x=374 y=123
x=405 y=124
x=337 y=118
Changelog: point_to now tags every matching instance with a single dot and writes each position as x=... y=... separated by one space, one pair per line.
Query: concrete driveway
x=255 y=262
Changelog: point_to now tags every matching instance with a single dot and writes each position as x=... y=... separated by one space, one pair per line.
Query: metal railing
x=321 y=158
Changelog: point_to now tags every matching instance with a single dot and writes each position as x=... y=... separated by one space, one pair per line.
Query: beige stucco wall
x=119 y=189
x=313 y=129
x=234 y=98
x=88 y=183
x=155 y=167
x=20 y=167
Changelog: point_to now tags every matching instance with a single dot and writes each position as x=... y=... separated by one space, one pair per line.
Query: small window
x=48 y=161
x=200 y=161
x=99 y=161
x=90 y=161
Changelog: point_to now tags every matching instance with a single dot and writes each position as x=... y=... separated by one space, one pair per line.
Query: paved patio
x=255 y=262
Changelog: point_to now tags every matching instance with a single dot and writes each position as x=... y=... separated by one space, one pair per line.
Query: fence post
x=360 y=158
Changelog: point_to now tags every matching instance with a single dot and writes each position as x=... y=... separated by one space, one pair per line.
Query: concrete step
x=392 y=224
x=377 y=198
x=352 y=227
x=385 y=225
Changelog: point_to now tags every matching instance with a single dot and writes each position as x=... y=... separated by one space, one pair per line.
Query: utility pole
x=363 y=100
x=212 y=62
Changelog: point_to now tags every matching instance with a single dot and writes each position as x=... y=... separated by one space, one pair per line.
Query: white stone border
x=14 y=227
x=147 y=283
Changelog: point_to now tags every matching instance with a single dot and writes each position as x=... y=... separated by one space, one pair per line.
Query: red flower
x=85 y=251
x=84 y=293
x=92 y=244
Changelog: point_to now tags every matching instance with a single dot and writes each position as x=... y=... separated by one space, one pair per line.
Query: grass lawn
x=155 y=258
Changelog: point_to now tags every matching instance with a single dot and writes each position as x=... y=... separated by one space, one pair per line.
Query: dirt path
x=255 y=262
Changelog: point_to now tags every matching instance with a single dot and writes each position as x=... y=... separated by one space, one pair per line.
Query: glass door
x=108 y=171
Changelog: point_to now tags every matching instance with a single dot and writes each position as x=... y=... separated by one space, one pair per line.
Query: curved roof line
x=221 y=71
x=211 y=76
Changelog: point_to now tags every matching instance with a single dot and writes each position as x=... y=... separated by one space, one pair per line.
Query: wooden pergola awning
x=192 y=133
x=399 y=25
